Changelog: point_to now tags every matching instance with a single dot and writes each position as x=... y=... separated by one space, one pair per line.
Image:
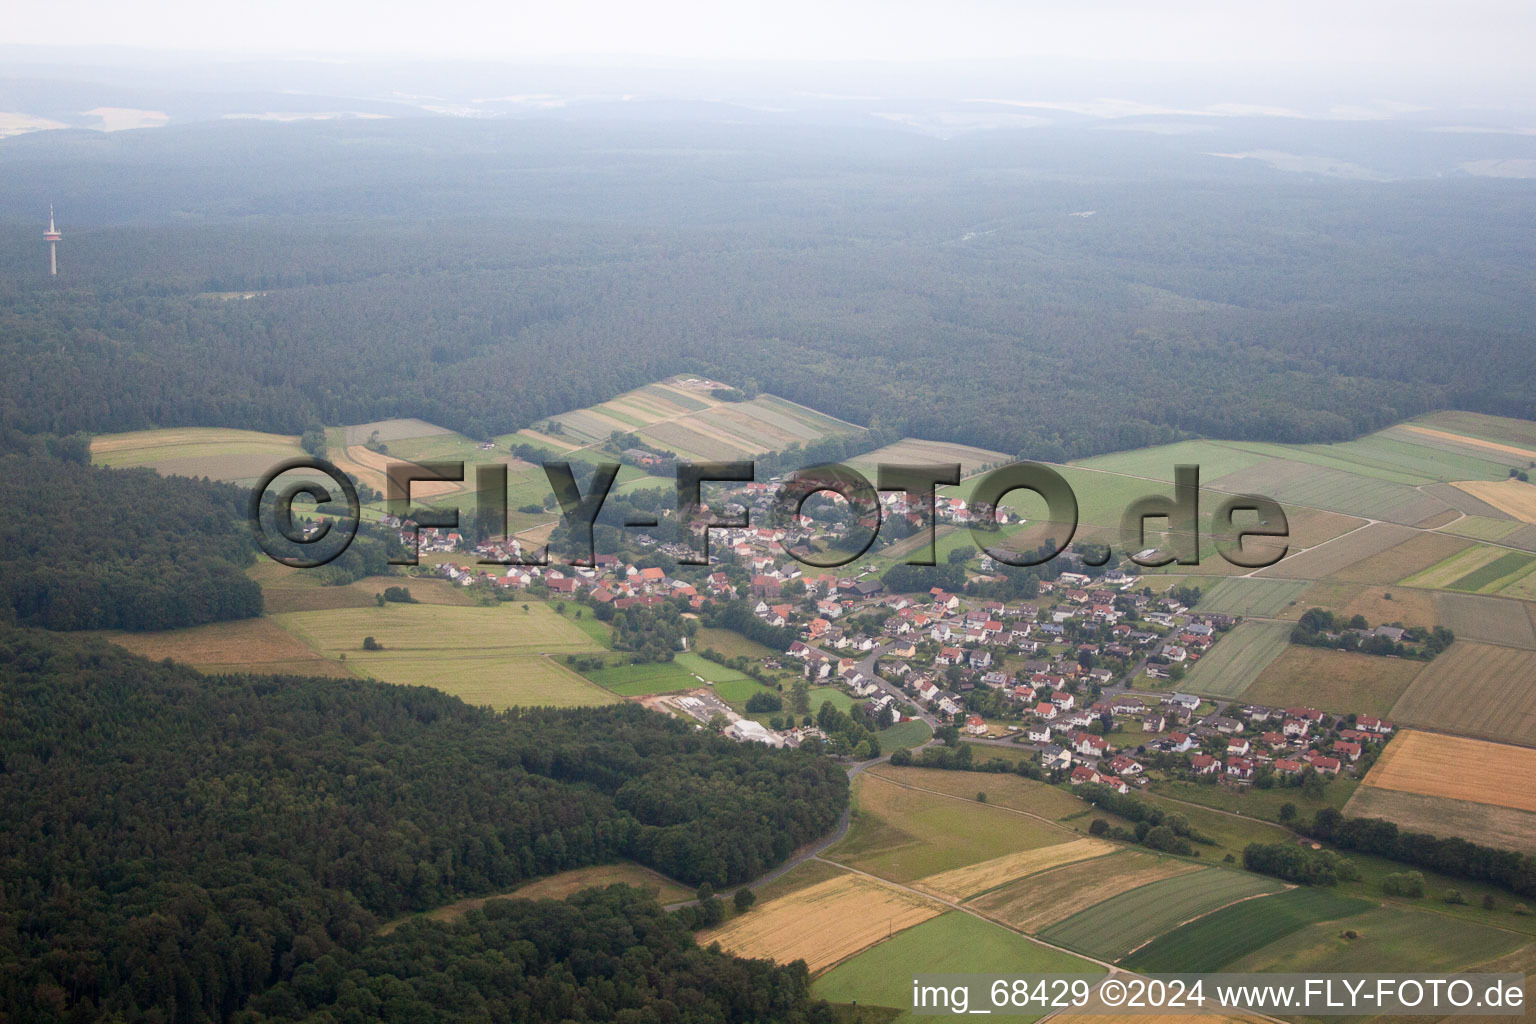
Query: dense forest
x=83 y=547
x=942 y=291
x=172 y=844
x=601 y=955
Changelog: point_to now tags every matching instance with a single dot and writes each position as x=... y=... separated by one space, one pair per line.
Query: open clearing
x=963 y=883
x=1264 y=598
x=1013 y=791
x=823 y=923
x=298 y=590
x=1477 y=690
x=1387 y=939
x=1341 y=681
x=1410 y=607
x=1503 y=827
x=566 y=883
x=1238 y=658
x=903 y=834
x=1040 y=901
x=236 y=456
x=953 y=943
x=682 y=415
x=1217 y=939
x=392 y=430
x=1434 y=764
x=1122 y=923
x=244 y=645
x=913 y=451
x=493 y=656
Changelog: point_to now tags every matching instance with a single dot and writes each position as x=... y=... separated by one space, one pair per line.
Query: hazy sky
x=1443 y=35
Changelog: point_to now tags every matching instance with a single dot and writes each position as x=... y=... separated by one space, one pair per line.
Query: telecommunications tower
x=52 y=236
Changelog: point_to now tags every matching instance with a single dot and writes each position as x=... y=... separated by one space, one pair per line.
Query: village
x=1082 y=675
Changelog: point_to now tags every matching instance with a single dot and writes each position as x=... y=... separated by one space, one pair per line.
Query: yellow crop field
x=1434 y=764
x=965 y=882
x=823 y=924
x=1040 y=901
x=1509 y=496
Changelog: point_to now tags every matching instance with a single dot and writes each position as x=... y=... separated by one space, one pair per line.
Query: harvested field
x=1413 y=555
x=244 y=645
x=1462 y=501
x=1013 y=791
x=1477 y=690
x=1523 y=538
x=1342 y=681
x=1311 y=526
x=1323 y=594
x=1440 y=519
x=1264 y=598
x=1503 y=429
x=1410 y=607
x=1503 y=827
x=903 y=834
x=1238 y=658
x=371 y=468
x=1497 y=620
x=1340 y=553
x=963 y=883
x=1040 y=901
x=1476 y=442
x=231 y=455
x=1113 y=928
x=392 y=430
x=824 y=923
x=915 y=451
x=1434 y=764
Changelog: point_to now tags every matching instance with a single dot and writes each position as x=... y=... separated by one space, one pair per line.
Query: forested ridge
x=173 y=843
x=944 y=292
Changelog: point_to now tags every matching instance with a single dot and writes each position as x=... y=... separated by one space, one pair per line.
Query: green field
x=1113 y=928
x=730 y=643
x=1231 y=933
x=1386 y=939
x=904 y=834
x=237 y=456
x=1492 y=576
x=1341 y=681
x=1237 y=659
x=904 y=734
x=499 y=656
x=1481 y=528
x=1264 y=598
x=628 y=680
x=951 y=943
